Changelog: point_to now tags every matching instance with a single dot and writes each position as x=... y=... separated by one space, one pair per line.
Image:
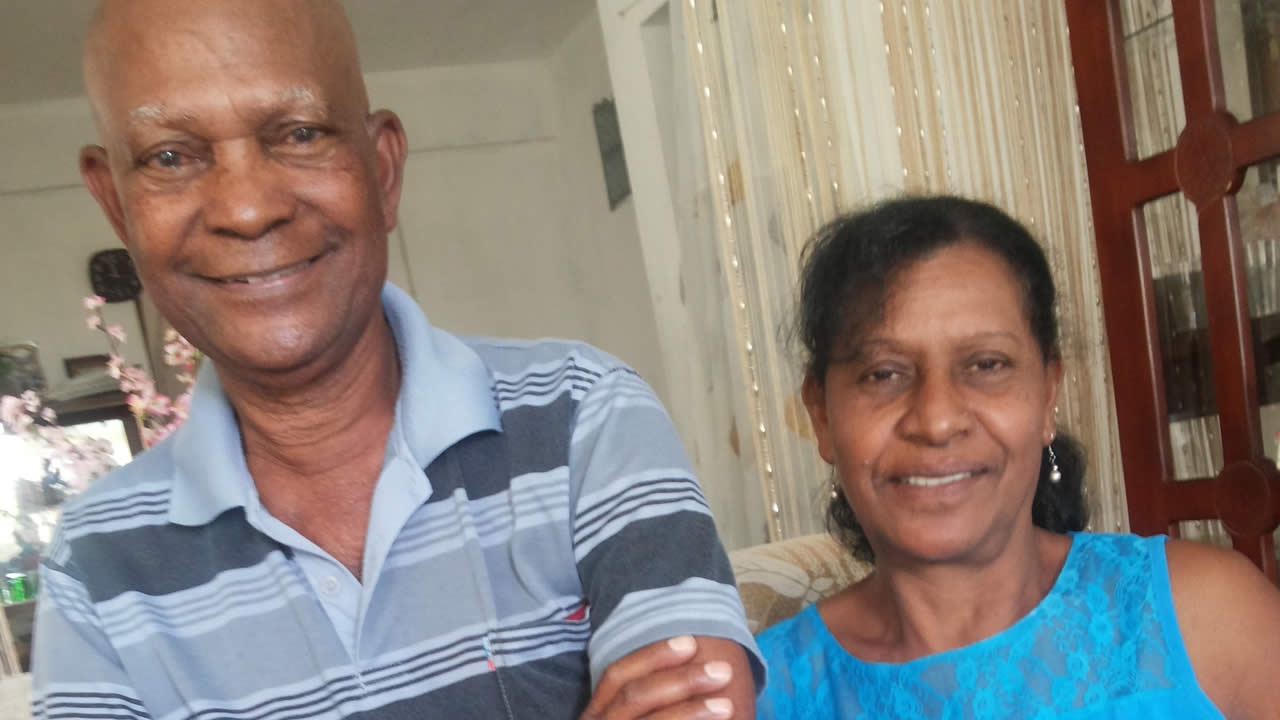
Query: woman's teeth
x=922 y=481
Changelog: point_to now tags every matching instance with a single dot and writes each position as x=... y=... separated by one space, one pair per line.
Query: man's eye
x=304 y=135
x=166 y=159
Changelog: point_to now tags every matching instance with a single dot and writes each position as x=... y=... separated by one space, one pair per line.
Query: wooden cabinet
x=1180 y=109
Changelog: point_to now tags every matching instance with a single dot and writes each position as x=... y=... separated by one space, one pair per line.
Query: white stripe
x=95 y=499
x=612 y=528
x=694 y=602
x=589 y=502
x=571 y=360
x=63 y=594
x=116 y=524
x=133 y=617
x=539 y=499
x=592 y=415
x=46 y=701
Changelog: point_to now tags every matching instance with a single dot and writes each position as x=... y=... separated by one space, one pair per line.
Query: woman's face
x=936 y=420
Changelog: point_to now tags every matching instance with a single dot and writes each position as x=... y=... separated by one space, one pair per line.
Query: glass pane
x=1209 y=531
x=1259 y=212
x=1155 y=87
x=1173 y=244
x=1249 y=44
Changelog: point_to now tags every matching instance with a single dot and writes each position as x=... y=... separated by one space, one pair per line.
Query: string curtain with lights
x=796 y=110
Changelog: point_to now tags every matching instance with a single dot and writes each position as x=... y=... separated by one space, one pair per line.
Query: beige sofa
x=775 y=580
x=15 y=697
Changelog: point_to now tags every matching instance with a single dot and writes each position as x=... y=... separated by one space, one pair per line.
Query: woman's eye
x=880 y=375
x=990 y=364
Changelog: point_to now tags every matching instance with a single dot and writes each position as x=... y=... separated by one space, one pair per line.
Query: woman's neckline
x=1027 y=619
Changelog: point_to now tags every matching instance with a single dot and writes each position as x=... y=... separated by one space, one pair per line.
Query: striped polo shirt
x=535 y=520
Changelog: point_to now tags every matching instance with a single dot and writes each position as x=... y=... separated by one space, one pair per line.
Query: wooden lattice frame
x=1207 y=166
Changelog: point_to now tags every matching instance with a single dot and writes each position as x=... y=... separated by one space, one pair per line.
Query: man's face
x=249 y=183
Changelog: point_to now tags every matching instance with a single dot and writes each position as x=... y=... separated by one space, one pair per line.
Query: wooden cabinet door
x=1213 y=362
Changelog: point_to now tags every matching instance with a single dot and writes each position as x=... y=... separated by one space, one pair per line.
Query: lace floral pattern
x=1095 y=646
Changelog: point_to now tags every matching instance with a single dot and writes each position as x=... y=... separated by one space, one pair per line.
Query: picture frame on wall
x=77 y=366
x=20 y=368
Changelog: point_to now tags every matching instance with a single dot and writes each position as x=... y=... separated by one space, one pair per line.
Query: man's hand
x=678 y=679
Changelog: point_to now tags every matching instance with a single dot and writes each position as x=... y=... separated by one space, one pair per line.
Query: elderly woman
x=932 y=372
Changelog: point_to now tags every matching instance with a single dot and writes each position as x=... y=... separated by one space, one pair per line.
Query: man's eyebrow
x=159 y=114
x=156 y=113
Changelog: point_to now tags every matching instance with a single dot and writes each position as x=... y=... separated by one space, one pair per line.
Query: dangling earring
x=835 y=490
x=1055 y=475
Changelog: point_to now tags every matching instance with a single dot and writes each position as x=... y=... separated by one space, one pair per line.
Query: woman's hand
x=684 y=678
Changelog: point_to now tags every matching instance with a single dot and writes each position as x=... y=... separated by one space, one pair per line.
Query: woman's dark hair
x=848 y=270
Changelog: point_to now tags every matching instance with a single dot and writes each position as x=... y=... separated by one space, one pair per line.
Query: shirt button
x=329 y=585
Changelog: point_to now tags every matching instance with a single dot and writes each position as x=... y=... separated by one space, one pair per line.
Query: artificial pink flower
x=93 y=302
x=31 y=401
x=159 y=406
x=113 y=365
x=11 y=409
x=93 y=322
x=116 y=332
x=49 y=416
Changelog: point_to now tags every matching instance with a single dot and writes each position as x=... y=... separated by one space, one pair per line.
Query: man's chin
x=280 y=354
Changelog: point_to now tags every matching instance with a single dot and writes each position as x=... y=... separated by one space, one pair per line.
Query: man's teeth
x=255 y=279
x=920 y=481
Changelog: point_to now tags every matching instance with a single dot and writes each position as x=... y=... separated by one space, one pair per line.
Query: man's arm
x=652 y=566
x=74 y=670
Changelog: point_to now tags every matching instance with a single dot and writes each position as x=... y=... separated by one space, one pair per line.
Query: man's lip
x=262 y=276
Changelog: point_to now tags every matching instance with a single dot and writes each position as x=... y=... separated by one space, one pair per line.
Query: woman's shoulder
x=1228 y=614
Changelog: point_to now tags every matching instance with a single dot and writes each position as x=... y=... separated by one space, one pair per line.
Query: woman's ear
x=813 y=392
x=1053 y=375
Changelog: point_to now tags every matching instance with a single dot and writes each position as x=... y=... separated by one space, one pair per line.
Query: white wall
x=49 y=226
x=604 y=244
x=504 y=227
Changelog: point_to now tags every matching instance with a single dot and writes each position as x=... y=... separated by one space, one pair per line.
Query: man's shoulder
x=511 y=360
x=141 y=487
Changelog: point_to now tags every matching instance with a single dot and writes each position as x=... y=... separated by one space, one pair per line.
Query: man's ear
x=96 y=171
x=390 y=146
x=815 y=401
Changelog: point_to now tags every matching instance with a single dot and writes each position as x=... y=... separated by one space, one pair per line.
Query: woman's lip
x=935 y=477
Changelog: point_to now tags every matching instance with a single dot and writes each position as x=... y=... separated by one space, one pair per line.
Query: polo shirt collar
x=445 y=395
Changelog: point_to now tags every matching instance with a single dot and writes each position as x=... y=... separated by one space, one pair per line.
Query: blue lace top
x=1103 y=643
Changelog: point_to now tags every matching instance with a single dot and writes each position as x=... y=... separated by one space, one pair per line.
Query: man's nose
x=938 y=410
x=247 y=194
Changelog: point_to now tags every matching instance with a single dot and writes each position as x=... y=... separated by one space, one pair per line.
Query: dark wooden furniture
x=1207 y=166
x=96 y=408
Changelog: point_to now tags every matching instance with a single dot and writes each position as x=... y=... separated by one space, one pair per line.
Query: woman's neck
x=906 y=610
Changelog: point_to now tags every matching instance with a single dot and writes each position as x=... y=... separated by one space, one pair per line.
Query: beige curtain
x=806 y=108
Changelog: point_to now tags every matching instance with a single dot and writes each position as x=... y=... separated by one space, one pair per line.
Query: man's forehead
x=215 y=44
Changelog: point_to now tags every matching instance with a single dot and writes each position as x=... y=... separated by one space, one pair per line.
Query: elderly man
x=363 y=516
